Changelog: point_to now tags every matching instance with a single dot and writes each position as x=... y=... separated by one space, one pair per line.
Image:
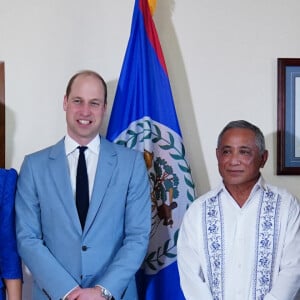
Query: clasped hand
x=85 y=294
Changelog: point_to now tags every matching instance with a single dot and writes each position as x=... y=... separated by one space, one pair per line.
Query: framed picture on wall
x=288 y=116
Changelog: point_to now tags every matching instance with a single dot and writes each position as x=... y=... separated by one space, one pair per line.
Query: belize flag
x=143 y=118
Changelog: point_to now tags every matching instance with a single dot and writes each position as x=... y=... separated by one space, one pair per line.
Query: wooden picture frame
x=2 y=115
x=288 y=116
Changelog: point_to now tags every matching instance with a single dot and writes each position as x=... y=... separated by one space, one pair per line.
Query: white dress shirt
x=240 y=265
x=91 y=157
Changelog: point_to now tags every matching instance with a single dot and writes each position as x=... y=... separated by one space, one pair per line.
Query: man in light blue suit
x=99 y=258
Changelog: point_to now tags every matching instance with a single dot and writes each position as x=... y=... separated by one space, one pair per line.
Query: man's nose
x=235 y=159
x=85 y=109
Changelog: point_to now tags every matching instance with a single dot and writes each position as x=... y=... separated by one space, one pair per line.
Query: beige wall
x=221 y=57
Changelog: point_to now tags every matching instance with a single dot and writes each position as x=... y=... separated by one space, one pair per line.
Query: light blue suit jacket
x=113 y=244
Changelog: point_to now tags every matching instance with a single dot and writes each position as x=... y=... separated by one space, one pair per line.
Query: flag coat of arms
x=144 y=118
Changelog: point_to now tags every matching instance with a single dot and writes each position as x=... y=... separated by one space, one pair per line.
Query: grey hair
x=259 y=137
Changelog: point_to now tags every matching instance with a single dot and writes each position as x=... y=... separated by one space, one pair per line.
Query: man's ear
x=264 y=158
x=217 y=153
x=65 y=103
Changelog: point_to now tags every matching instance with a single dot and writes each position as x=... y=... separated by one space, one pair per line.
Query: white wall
x=221 y=57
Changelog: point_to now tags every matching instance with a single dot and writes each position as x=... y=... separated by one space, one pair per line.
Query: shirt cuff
x=66 y=295
x=102 y=287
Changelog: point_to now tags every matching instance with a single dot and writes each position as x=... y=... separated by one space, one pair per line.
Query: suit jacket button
x=84 y=248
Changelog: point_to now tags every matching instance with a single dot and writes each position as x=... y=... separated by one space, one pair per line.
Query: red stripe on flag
x=151 y=32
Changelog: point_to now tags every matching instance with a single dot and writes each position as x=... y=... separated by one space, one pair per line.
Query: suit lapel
x=106 y=165
x=61 y=177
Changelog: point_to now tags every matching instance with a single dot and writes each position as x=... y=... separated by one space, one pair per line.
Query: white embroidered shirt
x=227 y=252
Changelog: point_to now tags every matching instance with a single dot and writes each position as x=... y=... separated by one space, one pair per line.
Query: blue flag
x=144 y=118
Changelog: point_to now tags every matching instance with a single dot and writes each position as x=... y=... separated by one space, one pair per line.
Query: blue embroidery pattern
x=213 y=220
x=266 y=244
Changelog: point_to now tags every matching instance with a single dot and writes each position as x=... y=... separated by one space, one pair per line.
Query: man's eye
x=76 y=101
x=245 y=152
x=225 y=152
x=95 y=103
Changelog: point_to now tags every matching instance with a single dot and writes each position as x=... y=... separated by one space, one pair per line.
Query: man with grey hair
x=241 y=241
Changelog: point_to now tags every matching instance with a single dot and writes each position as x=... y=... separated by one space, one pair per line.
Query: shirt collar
x=260 y=184
x=71 y=145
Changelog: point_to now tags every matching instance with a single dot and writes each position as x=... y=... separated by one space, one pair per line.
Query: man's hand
x=86 y=294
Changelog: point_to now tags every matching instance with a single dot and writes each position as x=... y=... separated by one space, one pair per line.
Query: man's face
x=85 y=108
x=239 y=159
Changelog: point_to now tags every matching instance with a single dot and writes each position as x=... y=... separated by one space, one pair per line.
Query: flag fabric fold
x=144 y=118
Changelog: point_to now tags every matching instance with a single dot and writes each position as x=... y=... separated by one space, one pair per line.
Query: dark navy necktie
x=82 y=187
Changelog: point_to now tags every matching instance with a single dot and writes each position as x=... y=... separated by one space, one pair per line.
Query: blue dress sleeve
x=10 y=263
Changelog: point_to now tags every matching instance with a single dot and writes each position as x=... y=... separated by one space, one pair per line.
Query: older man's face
x=239 y=159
